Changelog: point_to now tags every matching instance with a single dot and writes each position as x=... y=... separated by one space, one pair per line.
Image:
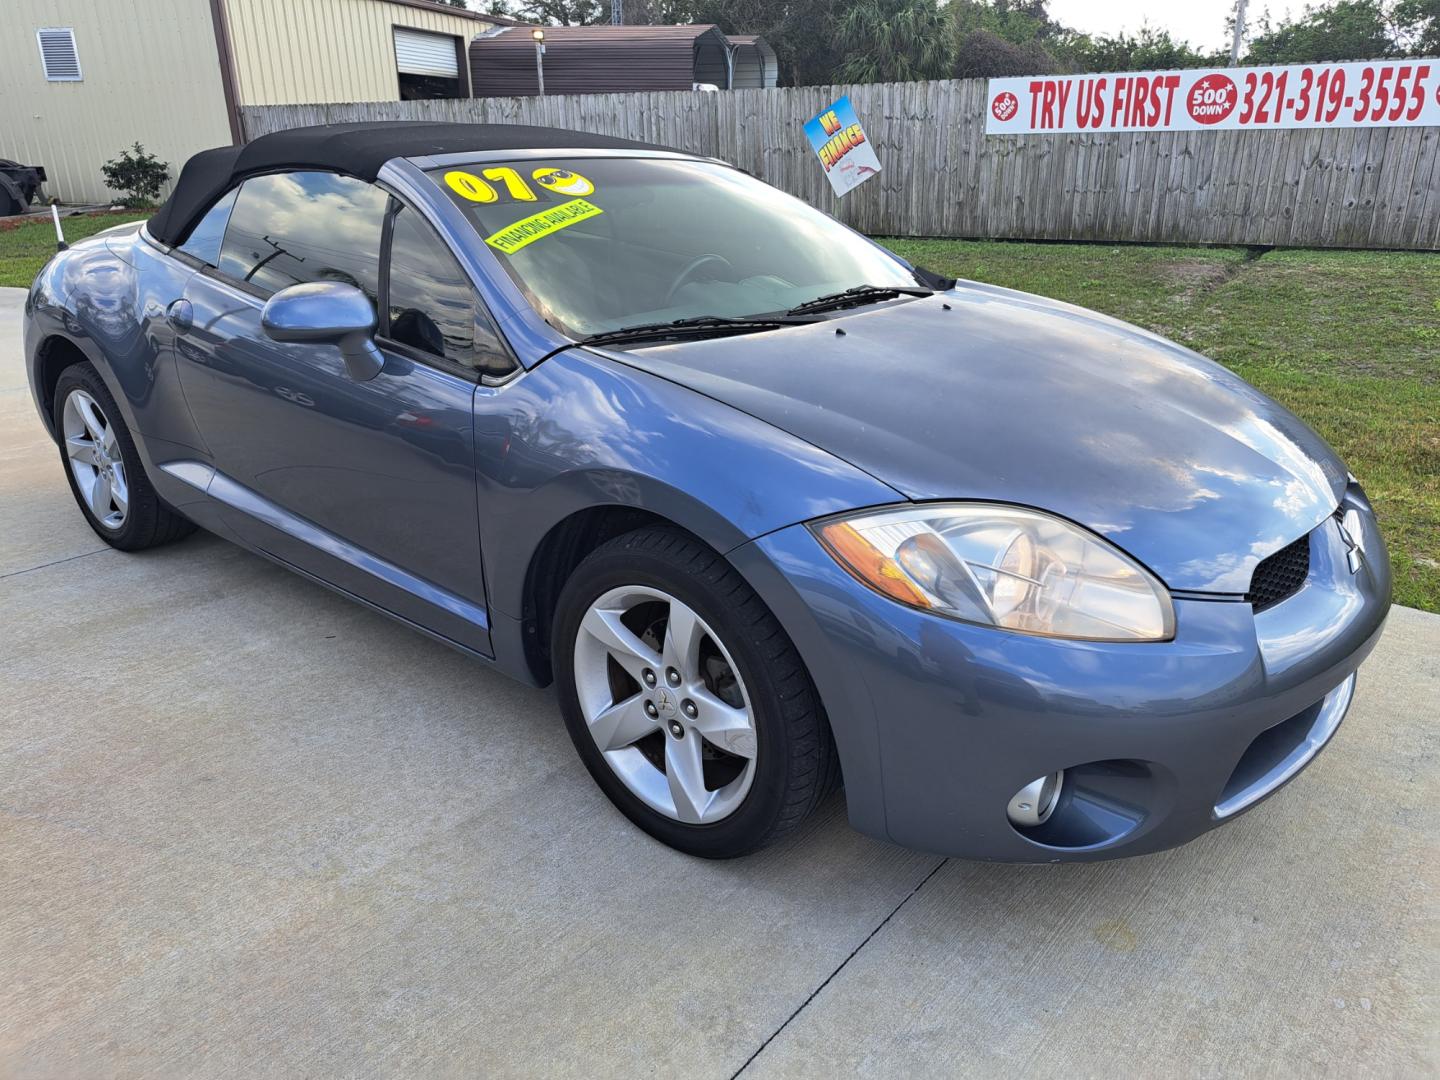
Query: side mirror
x=327 y=312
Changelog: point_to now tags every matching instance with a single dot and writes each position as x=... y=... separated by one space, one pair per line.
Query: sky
x=1200 y=22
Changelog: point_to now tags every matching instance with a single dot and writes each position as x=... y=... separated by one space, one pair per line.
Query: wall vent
x=58 y=54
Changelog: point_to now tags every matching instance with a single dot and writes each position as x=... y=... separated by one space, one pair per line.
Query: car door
x=368 y=486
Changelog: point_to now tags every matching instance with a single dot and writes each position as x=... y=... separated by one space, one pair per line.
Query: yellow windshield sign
x=529 y=229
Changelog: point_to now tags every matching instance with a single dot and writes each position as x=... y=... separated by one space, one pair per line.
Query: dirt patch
x=1191 y=279
x=1189 y=273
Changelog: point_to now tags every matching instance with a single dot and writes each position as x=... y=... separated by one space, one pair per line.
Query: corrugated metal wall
x=749 y=69
x=593 y=59
x=325 y=50
x=943 y=176
x=755 y=66
x=171 y=101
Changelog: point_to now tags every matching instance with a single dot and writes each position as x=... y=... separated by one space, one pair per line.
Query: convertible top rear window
x=604 y=242
x=205 y=238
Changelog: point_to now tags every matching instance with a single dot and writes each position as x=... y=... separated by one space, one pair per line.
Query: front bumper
x=939 y=722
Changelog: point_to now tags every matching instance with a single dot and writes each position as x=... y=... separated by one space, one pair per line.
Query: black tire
x=148 y=522
x=796 y=764
x=16 y=189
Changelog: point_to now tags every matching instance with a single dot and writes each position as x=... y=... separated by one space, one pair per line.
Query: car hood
x=985 y=393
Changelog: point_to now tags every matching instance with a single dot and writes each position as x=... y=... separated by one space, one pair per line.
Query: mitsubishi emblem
x=1354 y=536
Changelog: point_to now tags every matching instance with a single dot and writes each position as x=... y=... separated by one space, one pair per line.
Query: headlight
x=1002 y=566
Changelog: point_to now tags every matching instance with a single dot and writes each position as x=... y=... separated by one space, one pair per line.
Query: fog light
x=1034 y=803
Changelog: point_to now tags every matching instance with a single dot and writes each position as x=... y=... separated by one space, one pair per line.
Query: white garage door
x=418 y=53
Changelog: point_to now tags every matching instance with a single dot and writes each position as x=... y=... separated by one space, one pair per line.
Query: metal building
x=292 y=52
x=75 y=89
x=618 y=59
x=81 y=80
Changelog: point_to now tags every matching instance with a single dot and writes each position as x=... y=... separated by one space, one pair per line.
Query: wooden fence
x=943 y=176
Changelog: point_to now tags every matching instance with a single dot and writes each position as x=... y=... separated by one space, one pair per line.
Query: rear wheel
x=104 y=469
x=685 y=698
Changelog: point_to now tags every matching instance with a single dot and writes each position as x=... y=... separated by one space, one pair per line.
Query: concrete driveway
x=249 y=828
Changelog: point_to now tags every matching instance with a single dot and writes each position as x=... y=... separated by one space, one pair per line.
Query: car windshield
x=601 y=243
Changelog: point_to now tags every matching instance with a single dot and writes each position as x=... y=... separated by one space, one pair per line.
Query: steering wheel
x=689 y=272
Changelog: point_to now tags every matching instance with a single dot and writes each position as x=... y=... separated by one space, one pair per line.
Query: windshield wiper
x=932 y=280
x=695 y=326
x=860 y=294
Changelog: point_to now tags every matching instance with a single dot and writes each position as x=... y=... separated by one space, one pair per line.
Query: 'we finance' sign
x=1373 y=94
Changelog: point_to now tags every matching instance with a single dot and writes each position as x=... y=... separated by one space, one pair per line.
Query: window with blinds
x=58 y=54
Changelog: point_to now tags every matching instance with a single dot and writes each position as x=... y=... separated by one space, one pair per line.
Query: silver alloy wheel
x=95 y=459
x=665 y=704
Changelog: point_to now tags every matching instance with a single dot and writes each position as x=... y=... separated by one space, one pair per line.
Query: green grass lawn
x=1349 y=341
x=25 y=245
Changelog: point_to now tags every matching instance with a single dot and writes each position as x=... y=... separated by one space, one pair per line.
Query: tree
x=892 y=41
x=1344 y=30
x=1415 y=25
x=656 y=12
x=452 y=3
x=1149 y=50
x=1019 y=22
x=986 y=55
x=553 y=12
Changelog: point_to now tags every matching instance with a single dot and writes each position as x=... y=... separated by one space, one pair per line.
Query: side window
x=432 y=307
x=289 y=228
x=204 y=241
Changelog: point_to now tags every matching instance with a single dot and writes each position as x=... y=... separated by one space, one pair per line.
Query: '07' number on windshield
x=482 y=188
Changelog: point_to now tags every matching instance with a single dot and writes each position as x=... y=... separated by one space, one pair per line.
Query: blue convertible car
x=777 y=510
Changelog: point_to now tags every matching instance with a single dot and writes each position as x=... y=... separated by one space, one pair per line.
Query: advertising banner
x=1379 y=93
x=840 y=143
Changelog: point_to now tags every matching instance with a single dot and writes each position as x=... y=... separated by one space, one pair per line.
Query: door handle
x=180 y=315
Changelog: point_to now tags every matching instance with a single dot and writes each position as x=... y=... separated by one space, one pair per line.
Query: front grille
x=1280 y=576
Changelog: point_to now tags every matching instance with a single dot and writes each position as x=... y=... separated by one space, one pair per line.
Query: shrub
x=138 y=174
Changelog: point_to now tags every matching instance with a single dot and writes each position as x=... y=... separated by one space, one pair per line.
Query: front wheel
x=685 y=698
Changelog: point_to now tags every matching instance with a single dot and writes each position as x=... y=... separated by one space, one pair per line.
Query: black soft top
x=358 y=150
